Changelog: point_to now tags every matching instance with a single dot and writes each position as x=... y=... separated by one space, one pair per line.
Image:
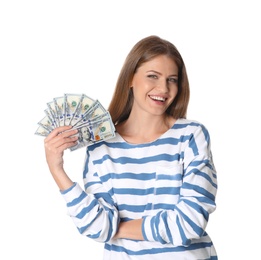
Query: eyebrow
x=175 y=75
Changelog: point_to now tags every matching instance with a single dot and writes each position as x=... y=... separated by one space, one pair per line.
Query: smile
x=157 y=98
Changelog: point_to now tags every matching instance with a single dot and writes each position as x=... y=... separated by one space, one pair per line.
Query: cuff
x=148 y=229
x=71 y=193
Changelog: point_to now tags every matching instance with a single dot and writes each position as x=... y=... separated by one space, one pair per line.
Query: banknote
x=46 y=123
x=76 y=105
x=58 y=103
x=86 y=114
x=52 y=112
x=94 y=130
x=71 y=103
x=42 y=131
x=93 y=110
x=50 y=118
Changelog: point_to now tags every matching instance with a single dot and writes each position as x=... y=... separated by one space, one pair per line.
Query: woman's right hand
x=56 y=143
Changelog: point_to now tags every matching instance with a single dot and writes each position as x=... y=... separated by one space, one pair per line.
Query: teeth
x=158 y=98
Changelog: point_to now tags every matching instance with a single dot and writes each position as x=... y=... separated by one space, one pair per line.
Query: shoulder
x=190 y=127
x=188 y=124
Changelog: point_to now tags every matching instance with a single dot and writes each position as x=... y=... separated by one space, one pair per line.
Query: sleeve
x=92 y=210
x=190 y=215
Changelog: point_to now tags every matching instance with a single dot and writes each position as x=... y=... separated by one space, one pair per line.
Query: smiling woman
x=154 y=87
x=155 y=80
x=155 y=181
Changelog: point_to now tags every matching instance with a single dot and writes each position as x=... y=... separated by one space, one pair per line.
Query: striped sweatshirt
x=170 y=183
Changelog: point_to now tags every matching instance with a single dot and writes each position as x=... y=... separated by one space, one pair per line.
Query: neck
x=142 y=128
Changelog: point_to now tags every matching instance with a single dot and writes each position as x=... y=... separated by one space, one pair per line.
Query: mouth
x=158 y=98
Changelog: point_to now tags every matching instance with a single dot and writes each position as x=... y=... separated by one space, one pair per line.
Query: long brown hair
x=143 y=51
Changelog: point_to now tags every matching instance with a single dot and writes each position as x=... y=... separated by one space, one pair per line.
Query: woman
x=148 y=191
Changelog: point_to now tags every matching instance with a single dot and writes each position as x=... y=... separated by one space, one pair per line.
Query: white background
x=48 y=48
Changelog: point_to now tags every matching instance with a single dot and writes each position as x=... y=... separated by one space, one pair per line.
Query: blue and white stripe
x=171 y=183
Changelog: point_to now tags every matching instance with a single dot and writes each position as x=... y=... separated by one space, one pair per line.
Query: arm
x=94 y=215
x=189 y=217
x=55 y=143
x=131 y=230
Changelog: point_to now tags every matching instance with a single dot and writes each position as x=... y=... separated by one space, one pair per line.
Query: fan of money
x=92 y=120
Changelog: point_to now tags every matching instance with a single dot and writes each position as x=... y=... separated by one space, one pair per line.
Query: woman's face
x=155 y=85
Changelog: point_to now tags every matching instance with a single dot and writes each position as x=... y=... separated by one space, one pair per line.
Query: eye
x=173 y=80
x=153 y=76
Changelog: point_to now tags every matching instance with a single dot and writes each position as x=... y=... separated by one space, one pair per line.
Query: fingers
x=57 y=131
x=60 y=139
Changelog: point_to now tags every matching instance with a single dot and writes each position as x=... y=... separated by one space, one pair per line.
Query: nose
x=163 y=85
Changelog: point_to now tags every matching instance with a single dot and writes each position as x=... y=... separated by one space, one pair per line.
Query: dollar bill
x=93 y=131
x=52 y=112
x=94 y=110
x=71 y=103
x=46 y=123
x=59 y=106
x=92 y=120
x=42 y=131
x=50 y=118
x=83 y=105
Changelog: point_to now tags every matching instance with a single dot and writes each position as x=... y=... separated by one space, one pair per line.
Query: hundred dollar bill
x=94 y=110
x=83 y=105
x=49 y=116
x=46 y=123
x=52 y=112
x=94 y=131
x=102 y=129
x=92 y=120
x=86 y=103
x=59 y=109
x=71 y=103
x=42 y=131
